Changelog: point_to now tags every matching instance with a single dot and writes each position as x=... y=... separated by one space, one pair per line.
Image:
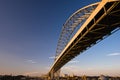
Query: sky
x=29 y=32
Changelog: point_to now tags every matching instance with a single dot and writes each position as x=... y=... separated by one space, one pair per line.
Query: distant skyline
x=29 y=32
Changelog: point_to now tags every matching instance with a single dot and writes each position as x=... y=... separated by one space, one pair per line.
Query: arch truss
x=72 y=24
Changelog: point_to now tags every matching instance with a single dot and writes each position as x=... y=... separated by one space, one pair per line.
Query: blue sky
x=29 y=32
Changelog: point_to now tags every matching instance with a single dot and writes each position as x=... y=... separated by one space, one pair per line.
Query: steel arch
x=72 y=24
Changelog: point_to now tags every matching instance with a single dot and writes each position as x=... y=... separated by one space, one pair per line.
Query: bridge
x=85 y=28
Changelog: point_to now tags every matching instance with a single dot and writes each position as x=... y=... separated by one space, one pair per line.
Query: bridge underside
x=104 y=23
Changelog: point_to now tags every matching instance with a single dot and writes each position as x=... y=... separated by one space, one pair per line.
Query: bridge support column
x=54 y=75
x=51 y=75
x=57 y=75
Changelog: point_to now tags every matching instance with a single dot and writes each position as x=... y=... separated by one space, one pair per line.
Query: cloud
x=70 y=67
x=114 y=54
x=75 y=61
x=31 y=61
x=67 y=68
x=52 y=57
x=30 y=73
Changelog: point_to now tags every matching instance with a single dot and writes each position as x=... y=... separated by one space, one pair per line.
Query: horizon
x=60 y=75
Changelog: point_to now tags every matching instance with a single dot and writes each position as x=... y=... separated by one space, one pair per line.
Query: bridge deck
x=102 y=22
